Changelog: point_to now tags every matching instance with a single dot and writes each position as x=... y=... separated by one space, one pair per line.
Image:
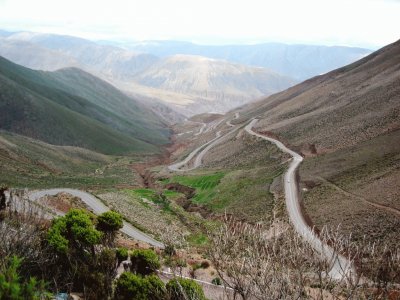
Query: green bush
x=109 y=221
x=12 y=287
x=74 y=229
x=216 y=281
x=122 y=254
x=131 y=286
x=184 y=289
x=144 y=261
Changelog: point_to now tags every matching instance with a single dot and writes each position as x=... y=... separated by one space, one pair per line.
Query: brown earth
x=347 y=125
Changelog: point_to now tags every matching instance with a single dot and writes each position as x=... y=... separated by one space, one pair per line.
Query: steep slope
x=78 y=111
x=347 y=125
x=213 y=85
x=296 y=61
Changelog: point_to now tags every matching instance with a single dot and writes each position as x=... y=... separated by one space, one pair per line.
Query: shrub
x=122 y=254
x=75 y=228
x=144 y=261
x=109 y=221
x=12 y=287
x=205 y=264
x=131 y=286
x=183 y=289
x=216 y=281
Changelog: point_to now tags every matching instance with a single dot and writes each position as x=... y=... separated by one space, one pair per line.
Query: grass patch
x=198 y=239
x=204 y=184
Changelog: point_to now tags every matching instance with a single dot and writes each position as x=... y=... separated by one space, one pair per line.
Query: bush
x=145 y=261
x=183 y=289
x=131 y=286
x=216 y=281
x=205 y=264
x=12 y=287
x=75 y=228
x=109 y=221
x=122 y=254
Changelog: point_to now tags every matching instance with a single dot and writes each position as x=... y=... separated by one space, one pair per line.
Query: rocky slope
x=347 y=124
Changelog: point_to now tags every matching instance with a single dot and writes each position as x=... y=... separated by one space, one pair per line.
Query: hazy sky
x=370 y=23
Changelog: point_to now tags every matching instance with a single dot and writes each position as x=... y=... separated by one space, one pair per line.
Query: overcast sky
x=366 y=23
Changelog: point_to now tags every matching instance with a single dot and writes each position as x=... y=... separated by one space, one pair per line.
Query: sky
x=364 y=23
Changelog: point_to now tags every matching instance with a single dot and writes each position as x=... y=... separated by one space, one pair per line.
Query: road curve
x=177 y=167
x=341 y=267
x=98 y=208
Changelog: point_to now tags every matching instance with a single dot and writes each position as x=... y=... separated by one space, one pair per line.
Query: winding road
x=202 y=150
x=98 y=208
x=341 y=266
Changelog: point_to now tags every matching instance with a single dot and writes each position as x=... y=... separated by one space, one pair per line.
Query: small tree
x=144 y=261
x=183 y=289
x=74 y=231
x=130 y=286
x=109 y=223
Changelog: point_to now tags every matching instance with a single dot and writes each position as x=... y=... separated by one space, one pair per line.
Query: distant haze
x=364 y=23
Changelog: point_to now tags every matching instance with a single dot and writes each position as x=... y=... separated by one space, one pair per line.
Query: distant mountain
x=188 y=84
x=113 y=62
x=296 y=61
x=35 y=56
x=71 y=107
x=212 y=85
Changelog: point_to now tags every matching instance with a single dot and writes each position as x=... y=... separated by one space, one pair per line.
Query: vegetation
x=13 y=287
x=204 y=185
x=182 y=289
x=122 y=254
x=145 y=262
x=131 y=286
x=256 y=265
x=31 y=163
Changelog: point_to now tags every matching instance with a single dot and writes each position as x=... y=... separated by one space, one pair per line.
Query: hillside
x=73 y=108
x=347 y=124
x=296 y=61
x=212 y=85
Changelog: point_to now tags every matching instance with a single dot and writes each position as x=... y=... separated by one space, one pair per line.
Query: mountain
x=296 y=61
x=196 y=84
x=112 y=62
x=347 y=125
x=36 y=57
x=71 y=107
x=212 y=85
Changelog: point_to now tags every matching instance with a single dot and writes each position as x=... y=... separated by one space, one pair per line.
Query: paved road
x=98 y=208
x=340 y=265
x=177 y=167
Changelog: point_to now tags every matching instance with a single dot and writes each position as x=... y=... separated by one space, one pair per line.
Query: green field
x=245 y=193
x=204 y=184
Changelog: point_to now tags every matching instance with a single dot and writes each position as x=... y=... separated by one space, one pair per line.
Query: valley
x=197 y=155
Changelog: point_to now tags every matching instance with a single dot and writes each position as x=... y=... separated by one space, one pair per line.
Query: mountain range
x=166 y=76
x=297 y=61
